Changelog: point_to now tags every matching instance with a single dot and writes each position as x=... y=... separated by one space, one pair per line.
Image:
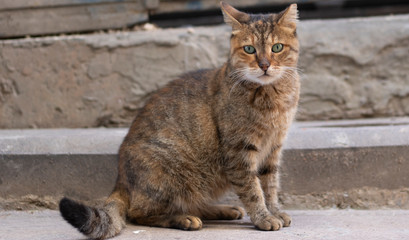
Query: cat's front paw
x=269 y=223
x=286 y=219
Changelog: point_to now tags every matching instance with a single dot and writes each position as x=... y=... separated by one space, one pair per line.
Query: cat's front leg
x=247 y=186
x=269 y=179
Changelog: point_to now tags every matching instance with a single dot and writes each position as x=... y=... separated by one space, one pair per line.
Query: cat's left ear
x=233 y=17
x=288 y=17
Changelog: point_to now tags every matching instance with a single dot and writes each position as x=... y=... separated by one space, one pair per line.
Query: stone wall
x=351 y=68
x=355 y=68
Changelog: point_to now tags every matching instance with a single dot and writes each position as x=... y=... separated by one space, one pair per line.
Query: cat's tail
x=95 y=223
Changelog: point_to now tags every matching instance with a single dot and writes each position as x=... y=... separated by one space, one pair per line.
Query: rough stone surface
x=356 y=163
x=355 y=68
x=319 y=225
x=352 y=68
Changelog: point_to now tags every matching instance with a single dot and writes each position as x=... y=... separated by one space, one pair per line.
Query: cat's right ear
x=289 y=17
x=233 y=17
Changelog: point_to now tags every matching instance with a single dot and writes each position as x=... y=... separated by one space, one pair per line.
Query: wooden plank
x=168 y=6
x=70 y=19
x=21 y=4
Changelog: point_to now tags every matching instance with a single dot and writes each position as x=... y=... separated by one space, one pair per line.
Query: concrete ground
x=307 y=224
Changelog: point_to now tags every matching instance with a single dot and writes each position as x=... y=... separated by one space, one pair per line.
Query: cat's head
x=263 y=48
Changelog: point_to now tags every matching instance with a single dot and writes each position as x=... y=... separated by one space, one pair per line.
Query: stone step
x=93 y=80
x=349 y=163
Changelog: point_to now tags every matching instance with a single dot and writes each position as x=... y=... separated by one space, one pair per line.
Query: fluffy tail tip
x=75 y=213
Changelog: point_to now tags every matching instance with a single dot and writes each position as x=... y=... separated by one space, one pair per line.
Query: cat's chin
x=263 y=79
x=267 y=79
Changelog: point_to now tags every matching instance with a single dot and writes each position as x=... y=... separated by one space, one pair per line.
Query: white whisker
x=245 y=74
x=238 y=76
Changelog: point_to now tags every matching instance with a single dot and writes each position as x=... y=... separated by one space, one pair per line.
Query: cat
x=208 y=132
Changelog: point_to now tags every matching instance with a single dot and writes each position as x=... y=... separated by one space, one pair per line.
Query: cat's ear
x=288 y=17
x=232 y=16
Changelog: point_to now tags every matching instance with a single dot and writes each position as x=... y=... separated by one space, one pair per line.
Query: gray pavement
x=307 y=224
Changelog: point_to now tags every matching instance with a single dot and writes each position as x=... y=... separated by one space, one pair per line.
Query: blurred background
x=92 y=63
x=21 y=18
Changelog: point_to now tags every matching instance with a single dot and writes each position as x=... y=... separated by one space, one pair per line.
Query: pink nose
x=264 y=64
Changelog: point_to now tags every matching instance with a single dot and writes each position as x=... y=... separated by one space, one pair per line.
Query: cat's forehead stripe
x=262 y=29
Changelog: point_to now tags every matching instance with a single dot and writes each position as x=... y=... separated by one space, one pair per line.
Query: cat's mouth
x=265 y=75
x=265 y=79
x=262 y=77
x=269 y=77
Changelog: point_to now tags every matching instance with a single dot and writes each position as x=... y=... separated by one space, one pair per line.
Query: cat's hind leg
x=222 y=212
x=183 y=221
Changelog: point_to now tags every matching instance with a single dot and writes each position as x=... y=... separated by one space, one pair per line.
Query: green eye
x=277 y=47
x=249 y=49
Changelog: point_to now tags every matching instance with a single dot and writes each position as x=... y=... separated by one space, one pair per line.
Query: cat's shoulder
x=192 y=80
x=198 y=75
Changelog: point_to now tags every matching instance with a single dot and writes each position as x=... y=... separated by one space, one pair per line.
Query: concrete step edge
x=302 y=135
x=349 y=163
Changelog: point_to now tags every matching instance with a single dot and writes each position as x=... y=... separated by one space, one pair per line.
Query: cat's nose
x=264 y=64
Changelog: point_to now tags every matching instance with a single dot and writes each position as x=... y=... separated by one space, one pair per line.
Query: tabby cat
x=208 y=132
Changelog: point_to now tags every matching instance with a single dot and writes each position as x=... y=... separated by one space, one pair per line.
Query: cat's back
x=181 y=107
x=192 y=86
